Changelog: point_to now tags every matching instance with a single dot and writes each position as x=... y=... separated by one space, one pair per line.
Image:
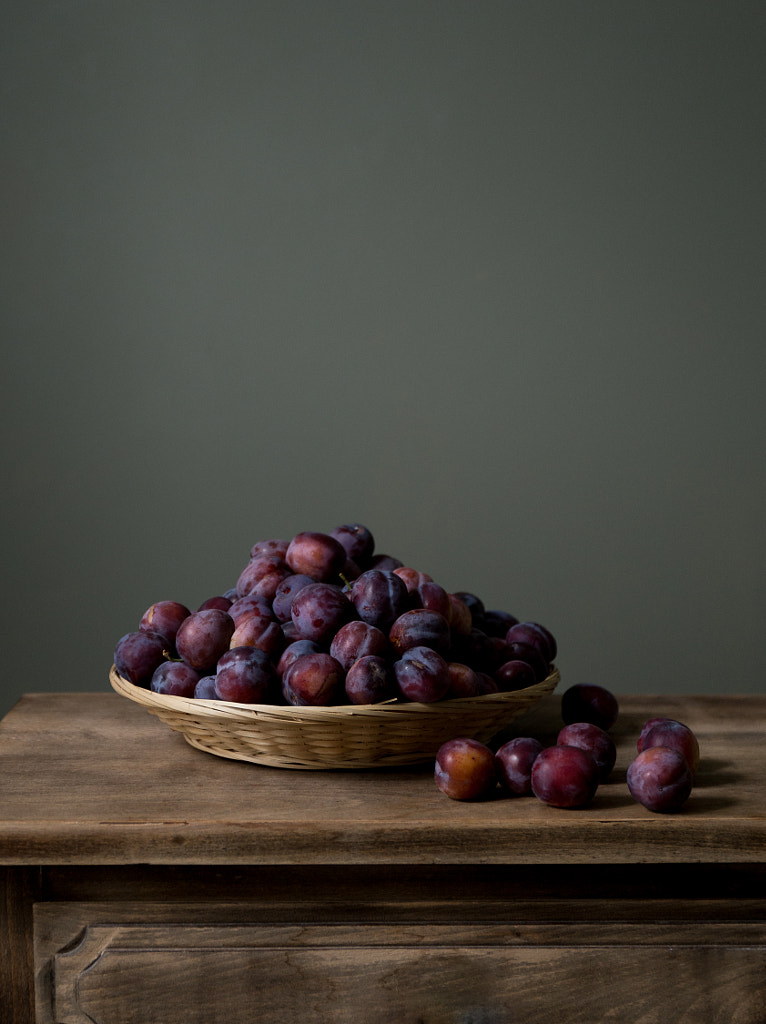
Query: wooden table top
x=90 y=778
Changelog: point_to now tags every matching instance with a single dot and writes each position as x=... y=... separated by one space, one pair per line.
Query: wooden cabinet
x=146 y=882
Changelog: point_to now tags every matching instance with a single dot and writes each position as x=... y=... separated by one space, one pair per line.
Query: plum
x=319 y=610
x=205 y=688
x=284 y=596
x=564 y=776
x=474 y=648
x=460 y=618
x=379 y=597
x=164 y=617
x=593 y=739
x=486 y=684
x=514 y=675
x=369 y=680
x=251 y=605
x=203 y=637
x=246 y=675
x=412 y=577
x=660 y=779
x=667 y=732
x=514 y=760
x=428 y=594
x=270 y=547
x=262 y=575
x=420 y=627
x=253 y=632
x=465 y=769
x=313 y=680
x=295 y=650
x=531 y=634
x=422 y=675
x=586 y=702
x=357 y=541
x=356 y=640
x=475 y=604
x=175 y=678
x=517 y=651
x=317 y=555
x=464 y=681
x=138 y=654
x=495 y=622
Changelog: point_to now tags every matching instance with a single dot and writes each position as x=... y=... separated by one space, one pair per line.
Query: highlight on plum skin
x=660 y=779
x=465 y=769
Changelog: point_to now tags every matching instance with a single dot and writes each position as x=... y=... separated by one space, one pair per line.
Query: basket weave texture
x=343 y=736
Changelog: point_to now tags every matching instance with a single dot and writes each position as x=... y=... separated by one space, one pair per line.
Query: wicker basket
x=345 y=736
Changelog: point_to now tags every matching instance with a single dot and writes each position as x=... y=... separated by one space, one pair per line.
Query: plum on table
x=465 y=769
x=587 y=702
x=564 y=776
x=660 y=779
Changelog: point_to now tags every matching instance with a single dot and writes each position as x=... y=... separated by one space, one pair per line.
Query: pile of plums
x=323 y=619
x=568 y=773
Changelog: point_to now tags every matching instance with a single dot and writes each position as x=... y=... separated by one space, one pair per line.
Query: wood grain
x=112 y=784
x=18 y=890
x=147 y=882
x=168 y=971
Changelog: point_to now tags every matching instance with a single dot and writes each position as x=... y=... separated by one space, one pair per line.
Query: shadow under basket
x=361 y=736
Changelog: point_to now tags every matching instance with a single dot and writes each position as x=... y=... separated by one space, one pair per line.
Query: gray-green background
x=486 y=276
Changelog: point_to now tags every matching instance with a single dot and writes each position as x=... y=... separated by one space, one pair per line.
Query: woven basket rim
x=229 y=711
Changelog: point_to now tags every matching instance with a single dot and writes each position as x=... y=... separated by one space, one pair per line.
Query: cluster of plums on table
x=568 y=773
x=323 y=619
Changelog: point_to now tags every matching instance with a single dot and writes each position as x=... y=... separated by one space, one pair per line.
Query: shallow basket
x=346 y=736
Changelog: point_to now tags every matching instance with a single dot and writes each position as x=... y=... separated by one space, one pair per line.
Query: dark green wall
x=485 y=276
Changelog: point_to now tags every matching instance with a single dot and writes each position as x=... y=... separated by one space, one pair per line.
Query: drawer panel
x=185 y=972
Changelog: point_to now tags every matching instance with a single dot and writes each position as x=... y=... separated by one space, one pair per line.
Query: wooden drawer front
x=124 y=972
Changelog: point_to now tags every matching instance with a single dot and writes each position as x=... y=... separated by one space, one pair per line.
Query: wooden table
x=146 y=882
